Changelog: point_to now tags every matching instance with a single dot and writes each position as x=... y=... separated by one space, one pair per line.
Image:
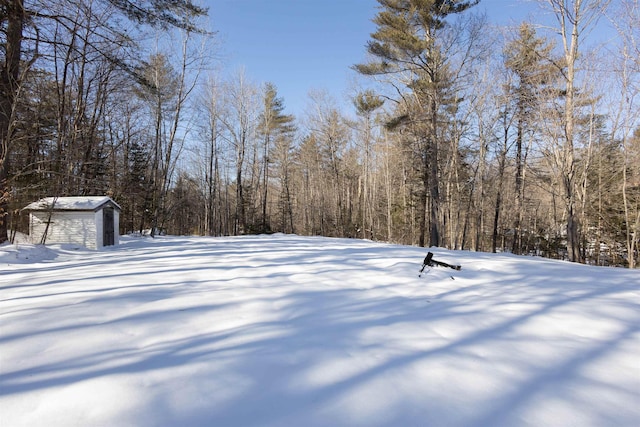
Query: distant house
x=90 y=221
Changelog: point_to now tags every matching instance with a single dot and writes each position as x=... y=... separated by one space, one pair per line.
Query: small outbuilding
x=90 y=221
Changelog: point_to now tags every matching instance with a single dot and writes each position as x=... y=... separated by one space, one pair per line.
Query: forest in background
x=463 y=135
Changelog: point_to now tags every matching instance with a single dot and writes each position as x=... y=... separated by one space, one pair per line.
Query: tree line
x=462 y=135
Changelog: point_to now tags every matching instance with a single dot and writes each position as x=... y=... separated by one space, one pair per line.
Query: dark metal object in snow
x=430 y=262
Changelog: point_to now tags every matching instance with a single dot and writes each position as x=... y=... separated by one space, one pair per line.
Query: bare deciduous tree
x=574 y=20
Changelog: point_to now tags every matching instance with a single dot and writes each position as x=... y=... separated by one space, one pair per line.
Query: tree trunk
x=434 y=190
x=9 y=86
x=573 y=237
x=516 y=247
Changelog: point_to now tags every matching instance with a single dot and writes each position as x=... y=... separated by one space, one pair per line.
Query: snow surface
x=299 y=331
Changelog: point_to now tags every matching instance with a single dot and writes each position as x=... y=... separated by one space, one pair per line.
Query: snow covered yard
x=299 y=331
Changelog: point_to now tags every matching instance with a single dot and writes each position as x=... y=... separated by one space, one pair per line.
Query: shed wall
x=65 y=227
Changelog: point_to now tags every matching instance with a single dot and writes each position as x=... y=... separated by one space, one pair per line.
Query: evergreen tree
x=366 y=104
x=273 y=123
x=527 y=57
x=407 y=42
x=136 y=192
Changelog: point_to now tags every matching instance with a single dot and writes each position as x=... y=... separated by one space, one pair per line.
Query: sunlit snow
x=307 y=331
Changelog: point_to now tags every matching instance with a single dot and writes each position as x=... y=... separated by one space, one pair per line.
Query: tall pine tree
x=529 y=58
x=273 y=122
x=407 y=43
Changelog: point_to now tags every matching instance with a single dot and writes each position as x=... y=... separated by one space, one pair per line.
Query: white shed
x=91 y=221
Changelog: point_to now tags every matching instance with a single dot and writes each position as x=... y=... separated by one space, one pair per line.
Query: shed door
x=108 y=227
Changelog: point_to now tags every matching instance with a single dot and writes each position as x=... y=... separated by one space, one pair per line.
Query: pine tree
x=273 y=123
x=528 y=58
x=407 y=42
x=366 y=104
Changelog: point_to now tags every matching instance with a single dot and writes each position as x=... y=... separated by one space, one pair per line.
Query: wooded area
x=465 y=135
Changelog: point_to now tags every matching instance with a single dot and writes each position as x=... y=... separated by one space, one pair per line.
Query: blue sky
x=301 y=45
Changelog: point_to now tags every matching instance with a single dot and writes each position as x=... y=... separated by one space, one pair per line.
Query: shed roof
x=76 y=203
